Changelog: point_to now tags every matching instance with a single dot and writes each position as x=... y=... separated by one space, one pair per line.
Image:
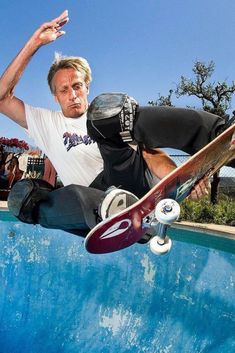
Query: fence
x=227 y=175
x=35 y=168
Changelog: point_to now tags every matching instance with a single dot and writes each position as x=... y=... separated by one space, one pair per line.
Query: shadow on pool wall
x=55 y=297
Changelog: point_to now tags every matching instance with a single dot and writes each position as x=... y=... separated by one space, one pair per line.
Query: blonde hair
x=69 y=62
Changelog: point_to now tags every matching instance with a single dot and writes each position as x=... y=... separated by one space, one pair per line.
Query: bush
x=203 y=211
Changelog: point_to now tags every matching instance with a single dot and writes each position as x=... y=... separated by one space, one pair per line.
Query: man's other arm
x=160 y=164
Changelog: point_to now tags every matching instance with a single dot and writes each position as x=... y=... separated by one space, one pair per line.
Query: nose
x=72 y=94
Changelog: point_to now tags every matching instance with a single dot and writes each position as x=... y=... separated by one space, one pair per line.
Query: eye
x=78 y=86
x=63 y=90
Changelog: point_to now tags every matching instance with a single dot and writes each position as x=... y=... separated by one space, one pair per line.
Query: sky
x=141 y=47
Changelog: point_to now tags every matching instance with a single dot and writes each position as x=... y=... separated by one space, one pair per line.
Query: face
x=71 y=92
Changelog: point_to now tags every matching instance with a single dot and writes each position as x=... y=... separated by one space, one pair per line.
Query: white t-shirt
x=65 y=141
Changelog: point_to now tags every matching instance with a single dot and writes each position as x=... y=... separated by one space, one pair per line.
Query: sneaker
x=115 y=201
x=146 y=238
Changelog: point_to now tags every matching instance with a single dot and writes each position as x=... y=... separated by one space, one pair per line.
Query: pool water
x=55 y=297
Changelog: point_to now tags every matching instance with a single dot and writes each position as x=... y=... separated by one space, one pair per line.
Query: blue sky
x=141 y=47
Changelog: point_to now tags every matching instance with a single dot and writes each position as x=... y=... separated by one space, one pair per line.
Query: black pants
x=72 y=208
x=188 y=130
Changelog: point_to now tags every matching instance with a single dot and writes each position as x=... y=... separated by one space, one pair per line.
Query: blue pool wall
x=56 y=297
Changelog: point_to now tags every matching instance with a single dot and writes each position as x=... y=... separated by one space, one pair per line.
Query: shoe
x=115 y=201
x=145 y=238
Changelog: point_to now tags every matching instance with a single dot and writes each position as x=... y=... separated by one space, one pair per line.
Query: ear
x=55 y=98
x=88 y=89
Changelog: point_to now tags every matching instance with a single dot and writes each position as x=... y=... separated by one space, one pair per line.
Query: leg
x=71 y=208
x=124 y=167
x=184 y=129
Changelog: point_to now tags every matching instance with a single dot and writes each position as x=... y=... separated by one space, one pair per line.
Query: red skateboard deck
x=126 y=228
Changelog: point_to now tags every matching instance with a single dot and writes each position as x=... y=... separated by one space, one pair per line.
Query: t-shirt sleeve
x=39 y=122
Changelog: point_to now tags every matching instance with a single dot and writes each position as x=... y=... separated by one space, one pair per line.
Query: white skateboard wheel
x=167 y=211
x=160 y=246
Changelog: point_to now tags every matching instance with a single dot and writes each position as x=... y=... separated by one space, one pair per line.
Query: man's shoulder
x=41 y=109
x=43 y=113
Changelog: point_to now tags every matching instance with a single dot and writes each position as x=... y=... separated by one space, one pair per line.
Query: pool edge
x=221 y=230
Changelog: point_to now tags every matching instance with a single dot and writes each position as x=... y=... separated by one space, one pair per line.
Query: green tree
x=163 y=100
x=215 y=96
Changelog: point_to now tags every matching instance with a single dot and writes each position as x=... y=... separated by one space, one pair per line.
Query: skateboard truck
x=166 y=212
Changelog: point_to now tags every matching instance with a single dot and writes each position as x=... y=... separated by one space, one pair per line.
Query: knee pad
x=24 y=197
x=110 y=114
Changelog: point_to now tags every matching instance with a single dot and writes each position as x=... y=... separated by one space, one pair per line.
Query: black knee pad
x=24 y=197
x=110 y=114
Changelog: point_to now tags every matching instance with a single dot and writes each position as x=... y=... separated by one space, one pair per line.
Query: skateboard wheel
x=160 y=246
x=167 y=211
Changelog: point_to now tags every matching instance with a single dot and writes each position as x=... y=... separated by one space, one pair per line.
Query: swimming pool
x=55 y=297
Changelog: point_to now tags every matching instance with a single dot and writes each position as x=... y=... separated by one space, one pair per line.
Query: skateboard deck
x=129 y=226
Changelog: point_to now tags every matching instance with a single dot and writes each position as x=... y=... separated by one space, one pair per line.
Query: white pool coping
x=227 y=231
x=209 y=228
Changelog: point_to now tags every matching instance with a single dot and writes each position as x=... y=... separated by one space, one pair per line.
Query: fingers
x=58 y=22
x=50 y=31
x=200 y=190
x=61 y=20
x=60 y=33
x=232 y=142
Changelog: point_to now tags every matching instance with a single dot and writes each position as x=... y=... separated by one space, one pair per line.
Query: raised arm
x=46 y=33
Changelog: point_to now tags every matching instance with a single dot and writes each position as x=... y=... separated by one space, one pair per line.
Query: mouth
x=75 y=105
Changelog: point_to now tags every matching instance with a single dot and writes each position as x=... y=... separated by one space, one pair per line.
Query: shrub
x=204 y=211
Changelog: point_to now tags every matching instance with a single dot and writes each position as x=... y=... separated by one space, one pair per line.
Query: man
x=63 y=138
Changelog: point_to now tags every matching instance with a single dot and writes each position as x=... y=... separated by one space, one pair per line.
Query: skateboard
x=159 y=208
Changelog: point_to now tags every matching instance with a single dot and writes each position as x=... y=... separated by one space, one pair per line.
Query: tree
x=163 y=100
x=215 y=97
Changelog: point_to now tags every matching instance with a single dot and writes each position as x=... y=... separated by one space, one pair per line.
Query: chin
x=75 y=114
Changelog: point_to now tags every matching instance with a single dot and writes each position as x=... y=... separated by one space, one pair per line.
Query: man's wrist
x=32 y=46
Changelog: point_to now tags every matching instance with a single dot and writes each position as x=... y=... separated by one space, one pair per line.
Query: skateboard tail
x=115 y=236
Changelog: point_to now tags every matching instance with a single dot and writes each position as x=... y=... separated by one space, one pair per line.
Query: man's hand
x=200 y=190
x=232 y=142
x=50 y=31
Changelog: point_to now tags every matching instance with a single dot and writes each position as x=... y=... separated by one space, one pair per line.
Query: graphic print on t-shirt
x=72 y=140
